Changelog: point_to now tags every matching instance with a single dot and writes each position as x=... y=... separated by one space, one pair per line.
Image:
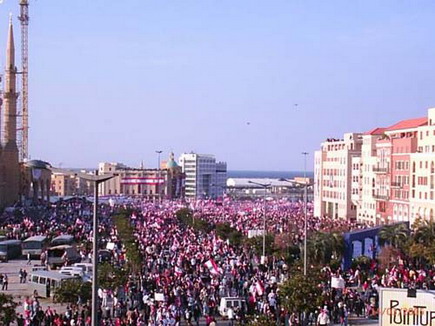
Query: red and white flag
x=259 y=287
x=178 y=270
x=212 y=267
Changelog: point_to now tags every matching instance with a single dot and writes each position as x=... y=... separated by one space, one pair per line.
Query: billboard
x=397 y=307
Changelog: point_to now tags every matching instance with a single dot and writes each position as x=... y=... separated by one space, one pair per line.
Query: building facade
x=167 y=183
x=205 y=177
x=392 y=177
x=422 y=171
x=333 y=176
x=67 y=183
x=364 y=182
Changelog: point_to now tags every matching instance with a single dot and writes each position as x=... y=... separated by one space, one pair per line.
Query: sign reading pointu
x=397 y=308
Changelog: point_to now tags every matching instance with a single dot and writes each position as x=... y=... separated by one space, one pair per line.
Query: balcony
x=378 y=169
x=396 y=185
x=381 y=197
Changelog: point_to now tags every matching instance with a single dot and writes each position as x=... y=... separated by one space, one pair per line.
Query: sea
x=268 y=174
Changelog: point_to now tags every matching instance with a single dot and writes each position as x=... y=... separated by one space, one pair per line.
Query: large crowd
x=186 y=273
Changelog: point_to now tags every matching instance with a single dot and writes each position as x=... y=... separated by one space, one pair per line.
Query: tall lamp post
x=97 y=179
x=158 y=152
x=305 y=183
x=264 y=186
x=305 y=211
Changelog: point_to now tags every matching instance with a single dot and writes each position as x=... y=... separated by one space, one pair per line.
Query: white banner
x=254 y=233
x=337 y=283
x=147 y=181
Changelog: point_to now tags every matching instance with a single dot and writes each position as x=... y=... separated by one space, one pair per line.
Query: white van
x=73 y=271
x=233 y=302
x=45 y=282
x=86 y=267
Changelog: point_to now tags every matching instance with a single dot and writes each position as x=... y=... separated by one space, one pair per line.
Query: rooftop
x=375 y=131
x=408 y=124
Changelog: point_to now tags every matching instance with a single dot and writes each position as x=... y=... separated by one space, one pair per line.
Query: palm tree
x=425 y=233
x=337 y=244
x=394 y=235
x=320 y=248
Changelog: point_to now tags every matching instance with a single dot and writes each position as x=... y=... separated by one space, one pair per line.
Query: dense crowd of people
x=187 y=274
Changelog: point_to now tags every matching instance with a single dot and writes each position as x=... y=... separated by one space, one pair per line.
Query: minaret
x=11 y=169
x=9 y=137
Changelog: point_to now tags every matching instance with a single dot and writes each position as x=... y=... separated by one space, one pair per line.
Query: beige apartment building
x=67 y=183
x=391 y=177
x=364 y=177
x=150 y=183
x=422 y=172
x=333 y=176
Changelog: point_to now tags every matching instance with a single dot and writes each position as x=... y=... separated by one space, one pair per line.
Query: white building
x=422 y=174
x=333 y=176
x=204 y=176
x=366 y=180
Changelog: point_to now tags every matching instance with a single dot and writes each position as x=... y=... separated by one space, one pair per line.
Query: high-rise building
x=333 y=176
x=205 y=178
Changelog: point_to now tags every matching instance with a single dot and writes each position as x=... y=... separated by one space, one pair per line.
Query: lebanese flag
x=259 y=287
x=178 y=270
x=212 y=267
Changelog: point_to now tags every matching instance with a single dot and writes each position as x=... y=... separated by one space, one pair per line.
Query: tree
x=395 y=235
x=319 y=248
x=301 y=293
x=226 y=232
x=337 y=243
x=257 y=244
x=425 y=232
x=389 y=256
x=72 y=290
x=7 y=309
x=111 y=277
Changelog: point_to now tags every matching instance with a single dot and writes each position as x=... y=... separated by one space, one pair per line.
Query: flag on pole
x=212 y=267
x=259 y=287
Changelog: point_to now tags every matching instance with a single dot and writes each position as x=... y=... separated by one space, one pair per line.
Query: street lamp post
x=97 y=179
x=264 y=186
x=158 y=152
x=305 y=212
x=305 y=208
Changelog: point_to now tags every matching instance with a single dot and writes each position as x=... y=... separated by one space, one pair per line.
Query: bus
x=45 y=282
x=64 y=239
x=59 y=255
x=35 y=245
x=10 y=249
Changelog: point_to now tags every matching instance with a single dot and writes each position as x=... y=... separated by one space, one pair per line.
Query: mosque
x=24 y=180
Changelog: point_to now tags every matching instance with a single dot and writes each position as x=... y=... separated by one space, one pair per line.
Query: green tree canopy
x=7 y=309
x=395 y=235
x=72 y=290
x=302 y=293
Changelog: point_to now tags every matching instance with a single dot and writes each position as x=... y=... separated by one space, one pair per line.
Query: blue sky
x=116 y=80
